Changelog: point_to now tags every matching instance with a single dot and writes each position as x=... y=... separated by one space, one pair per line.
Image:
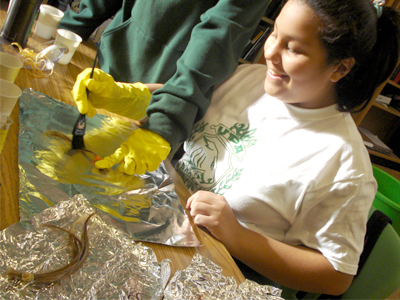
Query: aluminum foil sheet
x=117 y=267
x=145 y=207
x=203 y=280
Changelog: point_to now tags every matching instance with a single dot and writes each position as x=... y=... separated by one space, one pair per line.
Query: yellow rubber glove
x=126 y=99
x=143 y=151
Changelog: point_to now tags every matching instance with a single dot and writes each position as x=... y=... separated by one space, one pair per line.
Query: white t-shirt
x=300 y=176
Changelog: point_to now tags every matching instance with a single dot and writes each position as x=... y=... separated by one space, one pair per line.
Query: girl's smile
x=276 y=75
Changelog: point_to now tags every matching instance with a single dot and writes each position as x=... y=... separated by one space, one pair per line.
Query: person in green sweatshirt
x=189 y=46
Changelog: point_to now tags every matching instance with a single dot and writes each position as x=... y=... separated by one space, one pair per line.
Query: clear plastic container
x=44 y=56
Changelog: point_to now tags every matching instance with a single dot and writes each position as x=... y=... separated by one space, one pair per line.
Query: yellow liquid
x=3 y=135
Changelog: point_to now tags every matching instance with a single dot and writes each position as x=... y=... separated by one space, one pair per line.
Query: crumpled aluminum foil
x=117 y=267
x=145 y=207
x=203 y=280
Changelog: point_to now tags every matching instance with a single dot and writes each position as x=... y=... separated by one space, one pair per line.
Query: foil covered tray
x=145 y=207
x=203 y=280
x=117 y=267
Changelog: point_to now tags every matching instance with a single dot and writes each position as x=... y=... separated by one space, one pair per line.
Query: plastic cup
x=9 y=94
x=9 y=66
x=49 y=17
x=69 y=39
x=5 y=123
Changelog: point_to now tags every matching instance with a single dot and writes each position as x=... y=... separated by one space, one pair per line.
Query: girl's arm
x=295 y=267
x=153 y=86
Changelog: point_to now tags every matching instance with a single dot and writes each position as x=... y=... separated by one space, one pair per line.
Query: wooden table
x=58 y=86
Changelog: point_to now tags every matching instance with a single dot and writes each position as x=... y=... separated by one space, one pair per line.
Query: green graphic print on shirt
x=214 y=156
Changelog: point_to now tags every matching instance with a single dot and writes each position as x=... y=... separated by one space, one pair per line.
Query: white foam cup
x=49 y=17
x=9 y=94
x=9 y=66
x=69 y=39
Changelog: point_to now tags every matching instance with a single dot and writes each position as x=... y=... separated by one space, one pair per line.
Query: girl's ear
x=342 y=69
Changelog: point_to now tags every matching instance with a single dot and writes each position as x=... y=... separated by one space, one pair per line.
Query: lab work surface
x=58 y=86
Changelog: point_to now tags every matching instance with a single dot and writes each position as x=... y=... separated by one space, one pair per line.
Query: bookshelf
x=384 y=122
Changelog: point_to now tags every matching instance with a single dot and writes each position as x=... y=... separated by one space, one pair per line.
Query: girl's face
x=297 y=70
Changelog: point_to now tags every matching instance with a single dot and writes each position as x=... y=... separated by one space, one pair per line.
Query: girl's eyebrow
x=303 y=41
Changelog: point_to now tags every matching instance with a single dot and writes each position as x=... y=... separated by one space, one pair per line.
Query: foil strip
x=203 y=280
x=117 y=267
x=145 y=207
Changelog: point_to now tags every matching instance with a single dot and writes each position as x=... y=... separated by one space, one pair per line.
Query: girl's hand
x=214 y=213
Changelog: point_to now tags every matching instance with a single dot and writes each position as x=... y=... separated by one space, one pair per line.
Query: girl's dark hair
x=351 y=28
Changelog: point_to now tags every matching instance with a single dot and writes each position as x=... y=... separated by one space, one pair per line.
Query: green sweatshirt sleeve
x=211 y=55
x=92 y=13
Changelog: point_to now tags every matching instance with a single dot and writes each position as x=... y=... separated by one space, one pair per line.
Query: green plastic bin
x=387 y=198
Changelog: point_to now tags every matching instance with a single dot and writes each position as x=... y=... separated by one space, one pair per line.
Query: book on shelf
x=382 y=99
x=396 y=75
x=254 y=37
x=255 y=51
x=397 y=78
x=392 y=100
x=372 y=141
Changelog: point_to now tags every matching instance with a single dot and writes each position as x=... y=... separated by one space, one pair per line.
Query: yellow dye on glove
x=143 y=151
x=126 y=99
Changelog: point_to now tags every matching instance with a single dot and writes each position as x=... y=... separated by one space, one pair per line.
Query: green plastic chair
x=380 y=276
x=387 y=198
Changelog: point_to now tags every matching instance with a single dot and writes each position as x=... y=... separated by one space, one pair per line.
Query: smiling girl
x=278 y=168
